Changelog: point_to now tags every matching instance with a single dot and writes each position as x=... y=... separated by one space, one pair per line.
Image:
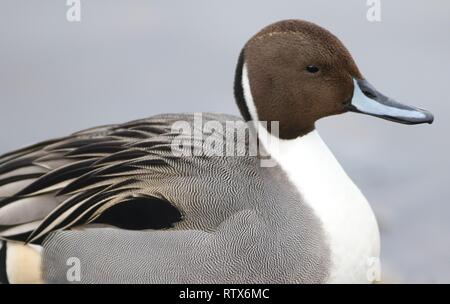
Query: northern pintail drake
x=116 y=204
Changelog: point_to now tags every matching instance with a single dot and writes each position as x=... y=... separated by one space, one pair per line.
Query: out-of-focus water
x=129 y=59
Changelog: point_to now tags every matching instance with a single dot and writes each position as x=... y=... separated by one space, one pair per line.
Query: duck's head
x=296 y=72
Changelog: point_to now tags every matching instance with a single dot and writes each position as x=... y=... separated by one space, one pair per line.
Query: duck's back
x=177 y=217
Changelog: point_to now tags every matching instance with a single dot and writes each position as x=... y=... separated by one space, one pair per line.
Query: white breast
x=347 y=218
x=348 y=221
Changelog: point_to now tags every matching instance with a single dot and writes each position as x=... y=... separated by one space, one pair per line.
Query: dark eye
x=312 y=69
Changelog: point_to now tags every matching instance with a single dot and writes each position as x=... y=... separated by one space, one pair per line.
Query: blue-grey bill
x=367 y=100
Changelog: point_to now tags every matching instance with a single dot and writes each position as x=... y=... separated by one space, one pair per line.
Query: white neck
x=348 y=221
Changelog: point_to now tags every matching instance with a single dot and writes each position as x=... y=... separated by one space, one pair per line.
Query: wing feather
x=99 y=175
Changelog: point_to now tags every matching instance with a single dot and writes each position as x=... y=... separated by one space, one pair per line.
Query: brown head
x=296 y=72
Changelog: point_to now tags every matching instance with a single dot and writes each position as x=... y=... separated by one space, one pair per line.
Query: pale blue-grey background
x=130 y=59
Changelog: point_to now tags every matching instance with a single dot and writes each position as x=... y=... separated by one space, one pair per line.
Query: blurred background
x=132 y=59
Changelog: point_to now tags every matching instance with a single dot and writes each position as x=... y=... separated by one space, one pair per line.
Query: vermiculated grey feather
x=213 y=219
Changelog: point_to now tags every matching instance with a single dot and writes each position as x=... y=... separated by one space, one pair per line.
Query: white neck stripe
x=347 y=219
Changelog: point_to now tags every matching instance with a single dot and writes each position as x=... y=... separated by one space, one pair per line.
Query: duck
x=117 y=204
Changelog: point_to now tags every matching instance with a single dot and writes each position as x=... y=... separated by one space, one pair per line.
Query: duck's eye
x=312 y=69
